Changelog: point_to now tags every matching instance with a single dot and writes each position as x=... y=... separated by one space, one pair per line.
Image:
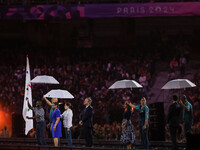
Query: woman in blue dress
x=56 y=126
x=128 y=136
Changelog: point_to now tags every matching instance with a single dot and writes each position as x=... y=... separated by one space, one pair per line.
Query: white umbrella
x=45 y=79
x=59 y=94
x=178 y=84
x=121 y=84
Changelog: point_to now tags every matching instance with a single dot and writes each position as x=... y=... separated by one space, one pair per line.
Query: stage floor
x=78 y=144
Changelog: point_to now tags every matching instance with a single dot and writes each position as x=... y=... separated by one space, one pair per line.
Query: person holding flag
x=40 y=122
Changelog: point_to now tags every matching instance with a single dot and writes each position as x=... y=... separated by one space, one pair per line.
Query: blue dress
x=58 y=131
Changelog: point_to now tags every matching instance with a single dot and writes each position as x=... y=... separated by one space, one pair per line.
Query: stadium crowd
x=90 y=73
x=81 y=79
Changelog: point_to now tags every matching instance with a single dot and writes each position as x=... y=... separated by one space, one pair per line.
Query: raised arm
x=62 y=115
x=132 y=105
x=47 y=101
x=33 y=117
x=184 y=107
x=29 y=106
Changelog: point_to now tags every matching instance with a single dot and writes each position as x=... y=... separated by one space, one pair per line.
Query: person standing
x=187 y=115
x=50 y=113
x=128 y=136
x=40 y=122
x=86 y=121
x=182 y=62
x=173 y=64
x=173 y=120
x=143 y=121
x=67 y=122
x=56 y=124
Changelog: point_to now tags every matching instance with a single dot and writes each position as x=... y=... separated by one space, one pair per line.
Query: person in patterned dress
x=128 y=136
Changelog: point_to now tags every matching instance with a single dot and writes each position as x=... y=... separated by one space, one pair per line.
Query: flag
x=27 y=94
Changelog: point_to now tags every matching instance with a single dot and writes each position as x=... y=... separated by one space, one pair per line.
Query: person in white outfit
x=67 y=116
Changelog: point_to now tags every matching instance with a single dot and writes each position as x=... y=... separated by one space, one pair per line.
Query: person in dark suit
x=173 y=120
x=86 y=121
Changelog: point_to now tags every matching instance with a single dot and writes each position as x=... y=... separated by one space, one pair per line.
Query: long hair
x=128 y=107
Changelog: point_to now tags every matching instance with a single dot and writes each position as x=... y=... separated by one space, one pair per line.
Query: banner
x=143 y=10
x=42 y=12
x=27 y=94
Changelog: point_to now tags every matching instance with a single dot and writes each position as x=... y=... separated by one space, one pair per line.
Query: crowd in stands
x=81 y=79
x=178 y=63
x=89 y=73
x=4 y=133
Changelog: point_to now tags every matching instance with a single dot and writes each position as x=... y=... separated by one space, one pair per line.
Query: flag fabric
x=27 y=94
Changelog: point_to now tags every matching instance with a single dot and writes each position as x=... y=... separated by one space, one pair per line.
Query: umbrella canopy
x=45 y=79
x=121 y=84
x=178 y=84
x=64 y=94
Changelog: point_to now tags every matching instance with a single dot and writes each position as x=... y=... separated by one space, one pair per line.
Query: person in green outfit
x=143 y=121
x=187 y=115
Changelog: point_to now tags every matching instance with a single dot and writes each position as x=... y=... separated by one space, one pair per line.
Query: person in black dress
x=128 y=136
